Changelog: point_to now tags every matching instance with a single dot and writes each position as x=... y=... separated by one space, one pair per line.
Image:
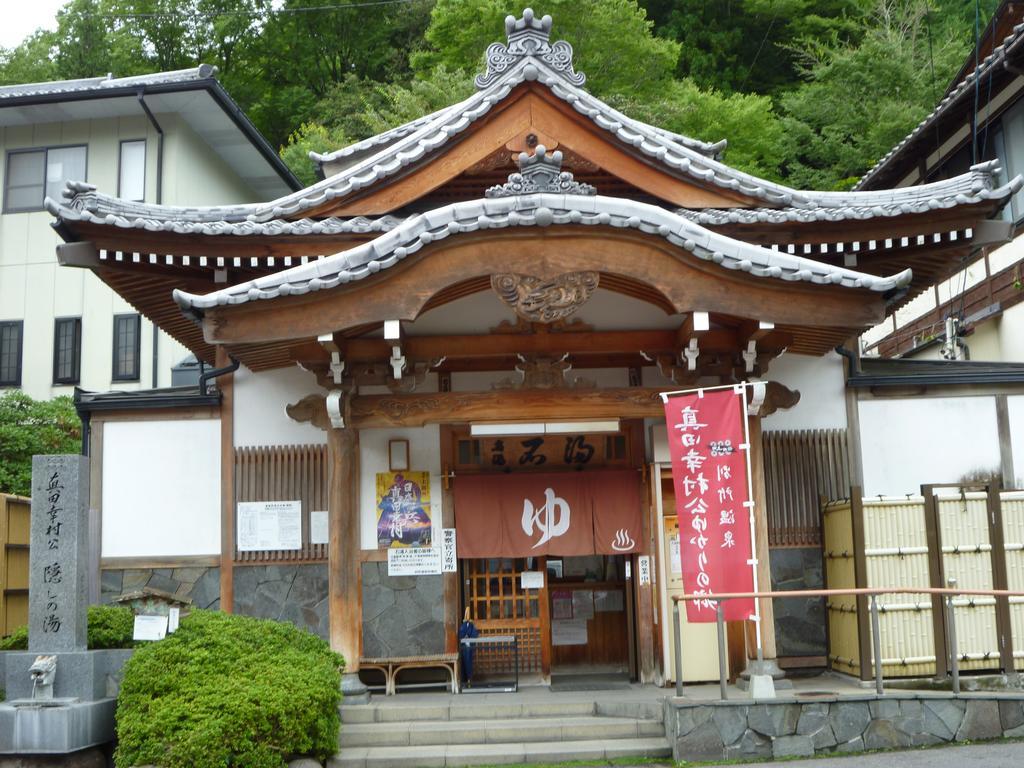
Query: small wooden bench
x=392 y=666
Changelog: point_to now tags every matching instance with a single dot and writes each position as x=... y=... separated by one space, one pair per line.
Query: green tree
x=860 y=99
x=29 y=62
x=612 y=40
x=748 y=121
x=29 y=427
x=304 y=56
x=742 y=45
x=310 y=137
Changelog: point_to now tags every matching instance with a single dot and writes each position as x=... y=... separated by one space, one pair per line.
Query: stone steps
x=499 y=754
x=468 y=708
x=464 y=731
x=495 y=731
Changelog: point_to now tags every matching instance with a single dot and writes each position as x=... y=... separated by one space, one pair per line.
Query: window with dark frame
x=10 y=352
x=67 y=350
x=34 y=174
x=127 y=339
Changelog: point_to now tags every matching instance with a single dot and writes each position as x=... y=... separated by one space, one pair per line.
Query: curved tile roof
x=93 y=207
x=971 y=188
x=964 y=88
x=539 y=210
x=390 y=153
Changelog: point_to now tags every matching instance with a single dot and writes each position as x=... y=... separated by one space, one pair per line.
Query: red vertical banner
x=709 y=473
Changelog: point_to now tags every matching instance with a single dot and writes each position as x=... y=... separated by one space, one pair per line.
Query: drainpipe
x=851 y=357
x=84 y=417
x=141 y=95
x=215 y=373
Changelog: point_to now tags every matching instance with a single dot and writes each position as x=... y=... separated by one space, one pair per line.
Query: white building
x=170 y=138
x=979 y=119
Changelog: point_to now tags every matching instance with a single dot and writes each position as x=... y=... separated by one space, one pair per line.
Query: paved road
x=1007 y=754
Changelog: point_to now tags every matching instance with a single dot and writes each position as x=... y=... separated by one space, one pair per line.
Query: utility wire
x=254 y=12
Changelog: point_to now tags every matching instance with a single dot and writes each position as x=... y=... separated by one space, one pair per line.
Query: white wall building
x=171 y=138
x=980 y=119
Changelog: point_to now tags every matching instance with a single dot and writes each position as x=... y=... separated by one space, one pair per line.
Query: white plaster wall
x=1015 y=407
x=821 y=382
x=424 y=456
x=906 y=442
x=260 y=401
x=1011 y=334
x=986 y=342
x=161 y=488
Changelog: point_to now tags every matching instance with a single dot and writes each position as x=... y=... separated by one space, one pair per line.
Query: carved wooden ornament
x=545 y=301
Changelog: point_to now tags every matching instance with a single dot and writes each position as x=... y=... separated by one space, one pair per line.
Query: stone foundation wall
x=786 y=728
x=799 y=621
x=199 y=584
x=295 y=593
x=402 y=615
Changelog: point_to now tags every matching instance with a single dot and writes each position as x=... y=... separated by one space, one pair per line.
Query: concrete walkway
x=999 y=754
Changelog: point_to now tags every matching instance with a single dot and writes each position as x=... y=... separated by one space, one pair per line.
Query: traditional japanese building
x=489 y=296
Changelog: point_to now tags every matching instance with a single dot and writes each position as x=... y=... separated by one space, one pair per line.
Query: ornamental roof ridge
x=528 y=37
x=540 y=172
x=537 y=210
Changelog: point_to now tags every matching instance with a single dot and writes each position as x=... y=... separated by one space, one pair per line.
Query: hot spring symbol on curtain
x=554 y=517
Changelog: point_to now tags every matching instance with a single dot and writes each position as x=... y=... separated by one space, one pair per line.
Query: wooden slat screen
x=283 y=473
x=800 y=467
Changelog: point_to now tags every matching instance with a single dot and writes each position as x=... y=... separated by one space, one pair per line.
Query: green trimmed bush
x=227 y=690
x=110 y=626
x=16 y=641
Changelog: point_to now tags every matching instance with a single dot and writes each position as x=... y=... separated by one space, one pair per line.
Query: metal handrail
x=876 y=643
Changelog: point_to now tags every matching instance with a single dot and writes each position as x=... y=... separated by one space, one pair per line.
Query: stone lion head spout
x=42 y=672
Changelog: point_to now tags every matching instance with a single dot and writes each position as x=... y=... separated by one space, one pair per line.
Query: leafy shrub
x=227 y=690
x=110 y=626
x=16 y=641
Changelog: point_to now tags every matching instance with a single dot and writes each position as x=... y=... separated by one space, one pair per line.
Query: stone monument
x=58 y=554
x=60 y=696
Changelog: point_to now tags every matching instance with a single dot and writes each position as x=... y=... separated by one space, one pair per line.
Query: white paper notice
x=173 y=617
x=317 y=527
x=150 y=628
x=269 y=525
x=568 y=632
x=582 y=604
x=674 y=555
x=643 y=569
x=449 y=552
x=531 y=579
x=414 y=561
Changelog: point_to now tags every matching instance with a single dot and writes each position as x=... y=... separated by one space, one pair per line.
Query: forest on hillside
x=810 y=92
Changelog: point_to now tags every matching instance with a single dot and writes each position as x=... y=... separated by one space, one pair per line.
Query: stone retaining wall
x=402 y=615
x=799 y=621
x=199 y=584
x=295 y=593
x=787 y=727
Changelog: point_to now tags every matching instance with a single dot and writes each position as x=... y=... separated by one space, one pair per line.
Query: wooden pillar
x=226 y=385
x=452 y=618
x=936 y=578
x=761 y=553
x=1000 y=578
x=345 y=599
x=645 y=597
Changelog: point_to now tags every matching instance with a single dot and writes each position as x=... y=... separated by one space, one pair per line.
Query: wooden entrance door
x=498 y=605
x=590 y=614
